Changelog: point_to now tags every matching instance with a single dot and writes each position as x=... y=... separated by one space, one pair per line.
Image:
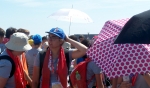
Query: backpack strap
x=41 y=59
x=6 y=57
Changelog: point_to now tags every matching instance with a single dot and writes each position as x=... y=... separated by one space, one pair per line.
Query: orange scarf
x=19 y=74
x=62 y=70
x=24 y=63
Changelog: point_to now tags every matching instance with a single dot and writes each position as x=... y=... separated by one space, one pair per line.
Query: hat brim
x=18 y=48
x=54 y=34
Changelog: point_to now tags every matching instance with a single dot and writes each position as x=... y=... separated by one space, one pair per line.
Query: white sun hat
x=18 y=42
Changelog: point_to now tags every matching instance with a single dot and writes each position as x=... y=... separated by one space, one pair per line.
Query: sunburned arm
x=99 y=80
x=36 y=75
x=114 y=82
x=147 y=78
x=80 y=48
x=3 y=82
x=123 y=84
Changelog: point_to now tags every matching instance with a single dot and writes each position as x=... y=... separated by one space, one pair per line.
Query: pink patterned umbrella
x=118 y=59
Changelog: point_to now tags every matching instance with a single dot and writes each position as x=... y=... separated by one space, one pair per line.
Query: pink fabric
x=118 y=59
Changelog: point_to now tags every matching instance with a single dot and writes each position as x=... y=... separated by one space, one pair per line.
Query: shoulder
x=5 y=63
x=92 y=64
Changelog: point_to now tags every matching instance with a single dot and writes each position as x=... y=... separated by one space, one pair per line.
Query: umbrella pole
x=69 y=26
x=70 y=22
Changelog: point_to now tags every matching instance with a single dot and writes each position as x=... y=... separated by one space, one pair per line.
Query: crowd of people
x=49 y=62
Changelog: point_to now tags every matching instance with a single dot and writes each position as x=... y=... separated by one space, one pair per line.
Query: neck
x=36 y=46
x=55 y=52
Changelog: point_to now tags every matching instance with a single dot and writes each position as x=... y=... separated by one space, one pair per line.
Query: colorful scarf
x=61 y=69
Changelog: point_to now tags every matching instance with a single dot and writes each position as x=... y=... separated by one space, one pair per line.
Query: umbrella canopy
x=71 y=15
x=118 y=59
x=136 y=30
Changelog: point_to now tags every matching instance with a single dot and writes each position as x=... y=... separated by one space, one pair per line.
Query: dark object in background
x=73 y=37
x=136 y=30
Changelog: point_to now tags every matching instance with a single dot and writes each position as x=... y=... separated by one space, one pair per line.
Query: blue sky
x=33 y=14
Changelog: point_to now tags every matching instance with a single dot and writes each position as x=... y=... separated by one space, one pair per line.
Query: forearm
x=114 y=82
x=99 y=80
x=147 y=78
x=34 y=84
x=100 y=86
x=29 y=80
x=77 y=45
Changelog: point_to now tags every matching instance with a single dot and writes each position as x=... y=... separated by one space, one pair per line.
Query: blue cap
x=58 y=32
x=37 y=39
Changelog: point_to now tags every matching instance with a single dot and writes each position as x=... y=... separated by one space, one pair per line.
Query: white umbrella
x=71 y=15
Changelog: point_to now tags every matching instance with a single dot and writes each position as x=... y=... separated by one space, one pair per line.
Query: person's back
x=135 y=81
x=9 y=61
x=31 y=54
x=92 y=71
x=140 y=82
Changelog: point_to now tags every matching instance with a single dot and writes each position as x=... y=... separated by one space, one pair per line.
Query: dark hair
x=81 y=36
x=10 y=31
x=37 y=44
x=25 y=31
x=73 y=37
x=2 y=32
x=30 y=37
x=86 y=42
x=44 y=38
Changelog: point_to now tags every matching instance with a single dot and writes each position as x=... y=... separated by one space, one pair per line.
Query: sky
x=33 y=14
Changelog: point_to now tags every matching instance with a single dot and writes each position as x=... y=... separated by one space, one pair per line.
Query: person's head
x=66 y=45
x=45 y=45
x=44 y=39
x=30 y=37
x=2 y=34
x=93 y=40
x=56 y=38
x=86 y=42
x=81 y=38
x=10 y=31
x=73 y=37
x=37 y=40
x=18 y=44
x=25 y=31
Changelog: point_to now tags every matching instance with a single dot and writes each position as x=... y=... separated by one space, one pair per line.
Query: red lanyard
x=134 y=79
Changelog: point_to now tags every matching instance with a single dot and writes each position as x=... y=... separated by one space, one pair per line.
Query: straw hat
x=18 y=42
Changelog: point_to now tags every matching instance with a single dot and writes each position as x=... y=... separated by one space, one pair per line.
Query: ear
x=61 y=42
